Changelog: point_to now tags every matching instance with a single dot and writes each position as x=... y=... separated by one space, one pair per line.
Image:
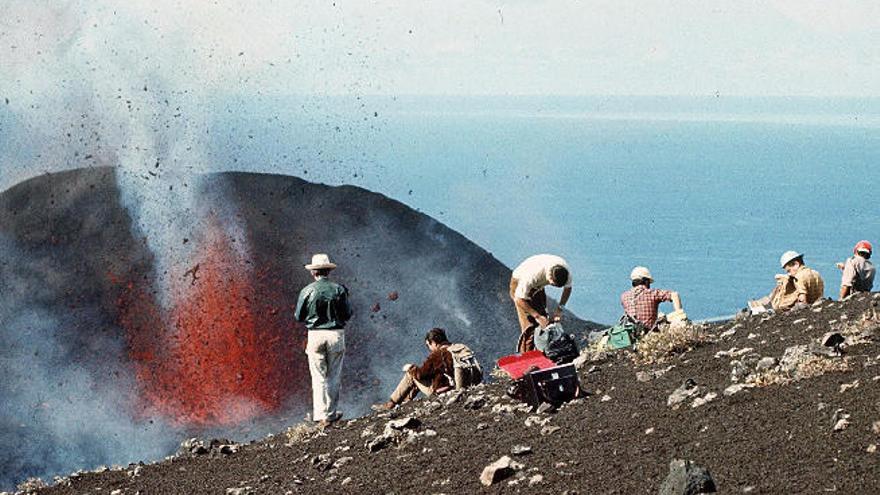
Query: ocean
x=707 y=192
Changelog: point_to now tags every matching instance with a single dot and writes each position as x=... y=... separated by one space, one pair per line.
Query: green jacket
x=323 y=305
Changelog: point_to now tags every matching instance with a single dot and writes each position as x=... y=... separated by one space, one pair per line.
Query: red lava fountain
x=221 y=354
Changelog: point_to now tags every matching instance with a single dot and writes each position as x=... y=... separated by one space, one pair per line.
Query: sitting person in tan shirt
x=800 y=287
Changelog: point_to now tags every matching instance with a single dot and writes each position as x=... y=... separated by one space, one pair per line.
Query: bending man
x=527 y=291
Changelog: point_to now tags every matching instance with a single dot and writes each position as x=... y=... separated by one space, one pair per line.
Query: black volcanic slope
x=776 y=439
x=70 y=257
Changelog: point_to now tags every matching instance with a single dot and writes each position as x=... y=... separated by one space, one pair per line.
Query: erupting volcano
x=113 y=351
x=217 y=357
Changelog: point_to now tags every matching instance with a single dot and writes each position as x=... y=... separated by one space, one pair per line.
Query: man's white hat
x=320 y=262
x=639 y=273
x=787 y=257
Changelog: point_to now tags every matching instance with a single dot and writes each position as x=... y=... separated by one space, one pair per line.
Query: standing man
x=642 y=302
x=800 y=287
x=527 y=291
x=858 y=272
x=324 y=308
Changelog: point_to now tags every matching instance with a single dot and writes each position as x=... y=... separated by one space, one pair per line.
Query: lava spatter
x=218 y=356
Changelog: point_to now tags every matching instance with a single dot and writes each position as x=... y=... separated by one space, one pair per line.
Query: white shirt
x=533 y=274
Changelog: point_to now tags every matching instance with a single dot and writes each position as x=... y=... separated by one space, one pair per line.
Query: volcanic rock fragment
x=521 y=450
x=322 y=462
x=406 y=423
x=840 y=420
x=766 y=363
x=474 y=402
x=687 y=478
x=846 y=386
x=736 y=388
x=699 y=401
x=378 y=443
x=687 y=389
x=549 y=430
x=499 y=470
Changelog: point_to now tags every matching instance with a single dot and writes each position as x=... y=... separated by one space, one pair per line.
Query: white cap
x=787 y=257
x=320 y=262
x=639 y=273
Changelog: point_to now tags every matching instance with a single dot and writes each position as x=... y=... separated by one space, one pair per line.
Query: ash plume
x=59 y=410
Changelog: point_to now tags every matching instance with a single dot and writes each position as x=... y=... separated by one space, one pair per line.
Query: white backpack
x=466 y=368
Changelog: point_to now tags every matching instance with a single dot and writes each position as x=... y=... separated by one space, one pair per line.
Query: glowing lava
x=222 y=353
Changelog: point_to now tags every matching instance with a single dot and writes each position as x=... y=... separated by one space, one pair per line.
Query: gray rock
x=738 y=371
x=322 y=462
x=766 y=363
x=549 y=430
x=521 y=450
x=454 y=397
x=687 y=478
x=407 y=423
x=841 y=424
x=545 y=408
x=736 y=388
x=699 y=401
x=378 y=443
x=794 y=356
x=687 y=389
x=474 y=402
x=497 y=471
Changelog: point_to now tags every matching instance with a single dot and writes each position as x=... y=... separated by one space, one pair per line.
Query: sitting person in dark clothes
x=432 y=376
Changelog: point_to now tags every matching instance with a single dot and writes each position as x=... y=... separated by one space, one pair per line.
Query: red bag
x=517 y=365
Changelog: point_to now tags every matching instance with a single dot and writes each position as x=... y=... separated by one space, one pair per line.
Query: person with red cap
x=858 y=271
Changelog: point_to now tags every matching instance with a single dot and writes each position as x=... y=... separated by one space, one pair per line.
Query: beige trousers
x=325 y=350
x=408 y=388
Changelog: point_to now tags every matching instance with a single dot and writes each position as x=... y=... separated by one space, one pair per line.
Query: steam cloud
x=59 y=410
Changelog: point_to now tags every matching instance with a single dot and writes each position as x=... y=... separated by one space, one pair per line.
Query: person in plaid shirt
x=641 y=302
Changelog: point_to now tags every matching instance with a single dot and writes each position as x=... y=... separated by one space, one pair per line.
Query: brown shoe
x=387 y=406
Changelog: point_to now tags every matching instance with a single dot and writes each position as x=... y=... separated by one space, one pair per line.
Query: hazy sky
x=782 y=47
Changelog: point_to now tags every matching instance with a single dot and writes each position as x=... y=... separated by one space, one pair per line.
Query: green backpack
x=625 y=333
